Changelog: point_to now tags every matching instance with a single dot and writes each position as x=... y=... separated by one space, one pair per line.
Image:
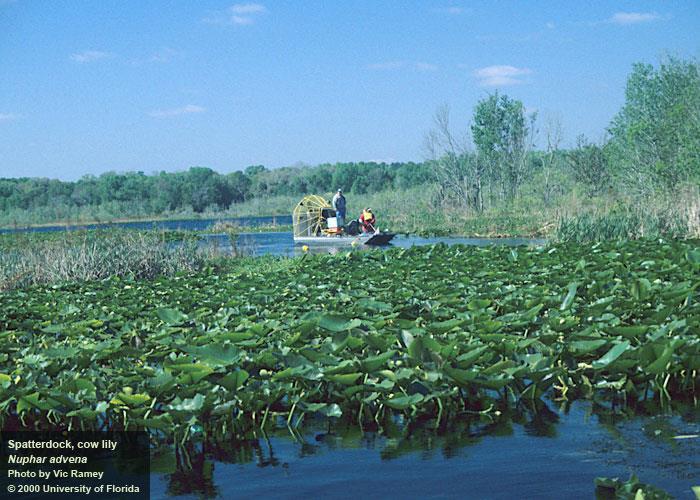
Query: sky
x=90 y=86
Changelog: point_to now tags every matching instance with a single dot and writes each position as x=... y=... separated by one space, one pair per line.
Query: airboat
x=314 y=221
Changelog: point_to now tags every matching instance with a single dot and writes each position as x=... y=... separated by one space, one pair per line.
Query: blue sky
x=92 y=86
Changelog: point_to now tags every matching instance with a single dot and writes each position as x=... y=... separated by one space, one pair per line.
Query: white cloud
x=423 y=66
x=394 y=65
x=242 y=20
x=89 y=56
x=239 y=14
x=185 y=110
x=247 y=8
x=550 y=25
x=164 y=55
x=500 y=75
x=625 y=18
x=453 y=10
x=6 y=117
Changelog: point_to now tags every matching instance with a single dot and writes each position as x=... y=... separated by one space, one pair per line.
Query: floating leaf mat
x=427 y=332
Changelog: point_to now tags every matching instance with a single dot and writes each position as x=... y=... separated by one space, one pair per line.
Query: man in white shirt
x=339 y=207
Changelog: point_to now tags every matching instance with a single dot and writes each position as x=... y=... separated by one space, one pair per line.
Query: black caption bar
x=74 y=464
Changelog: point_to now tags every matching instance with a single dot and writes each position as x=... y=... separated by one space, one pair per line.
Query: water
x=282 y=243
x=184 y=224
x=269 y=243
x=549 y=453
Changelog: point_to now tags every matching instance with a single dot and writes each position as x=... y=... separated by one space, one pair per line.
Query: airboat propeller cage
x=310 y=216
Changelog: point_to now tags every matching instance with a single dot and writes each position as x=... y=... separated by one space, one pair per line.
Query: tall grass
x=420 y=211
x=621 y=225
x=674 y=215
x=31 y=259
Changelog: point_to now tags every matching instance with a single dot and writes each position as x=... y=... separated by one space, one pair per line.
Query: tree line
x=652 y=146
x=201 y=188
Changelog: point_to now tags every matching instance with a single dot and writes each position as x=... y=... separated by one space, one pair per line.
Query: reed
x=31 y=259
x=676 y=216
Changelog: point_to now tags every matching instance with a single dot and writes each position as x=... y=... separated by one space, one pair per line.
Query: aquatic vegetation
x=233 y=228
x=444 y=222
x=28 y=259
x=631 y=489
x=628 y=223
x=429 y=333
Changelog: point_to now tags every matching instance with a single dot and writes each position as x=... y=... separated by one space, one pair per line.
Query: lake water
x=172 y=225
x=271 y=243
x=549 y=453
x=283 y=244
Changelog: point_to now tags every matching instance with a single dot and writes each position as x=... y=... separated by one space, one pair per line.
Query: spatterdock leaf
x=331 y=410
x=570 y=296
x=403 y=402
x=611 y=355
x=191 y=404
x=335 y=323
x=171 y=316
x=215 y=354
x=344 y=379
x=659 y=365
x=376 y=362
x=234 y=380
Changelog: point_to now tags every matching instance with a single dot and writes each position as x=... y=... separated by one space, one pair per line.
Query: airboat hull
x=370 y=239
x=380 y=239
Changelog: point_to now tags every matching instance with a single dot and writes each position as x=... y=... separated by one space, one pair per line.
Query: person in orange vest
x=368 y=221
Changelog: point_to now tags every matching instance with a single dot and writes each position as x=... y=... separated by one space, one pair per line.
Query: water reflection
x=195 y=478
x=566 y=446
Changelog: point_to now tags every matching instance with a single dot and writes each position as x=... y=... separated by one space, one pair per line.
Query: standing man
x=339 y=207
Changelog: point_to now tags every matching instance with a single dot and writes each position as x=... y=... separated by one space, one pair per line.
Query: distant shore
x=127 y=220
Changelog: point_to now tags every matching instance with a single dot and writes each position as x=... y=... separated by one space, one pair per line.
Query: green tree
x=239 y=184
x=655 y=138
x=502 y=134
x=589 y=166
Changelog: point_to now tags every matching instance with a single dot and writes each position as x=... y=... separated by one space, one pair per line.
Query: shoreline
x=451 y=232
x=126 y=220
